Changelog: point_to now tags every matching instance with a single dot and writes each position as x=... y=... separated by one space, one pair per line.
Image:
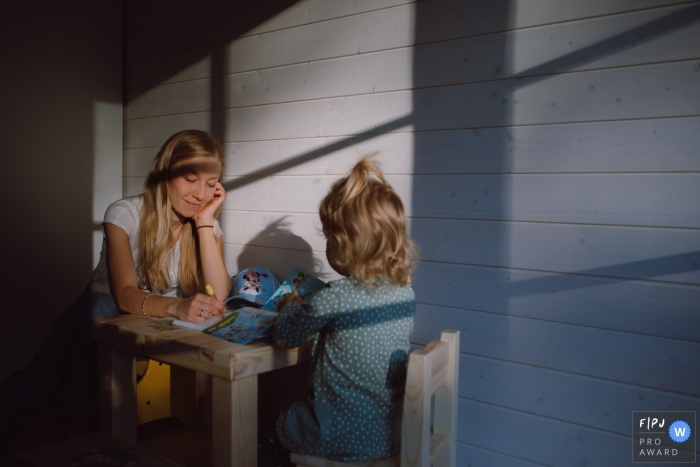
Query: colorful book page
x=243 y=325
x=299 y=279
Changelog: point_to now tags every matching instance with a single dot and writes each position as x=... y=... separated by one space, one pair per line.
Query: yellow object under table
x=155 y=398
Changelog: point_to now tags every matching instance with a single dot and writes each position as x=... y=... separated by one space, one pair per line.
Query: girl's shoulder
x=349 y=286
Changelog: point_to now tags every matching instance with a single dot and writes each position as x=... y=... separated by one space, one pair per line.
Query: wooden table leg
x=183 y=394
x=235 y=422
x=118 y=393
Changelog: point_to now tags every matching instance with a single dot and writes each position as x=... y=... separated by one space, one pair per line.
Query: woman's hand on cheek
x=197 y=308
x=206 y=215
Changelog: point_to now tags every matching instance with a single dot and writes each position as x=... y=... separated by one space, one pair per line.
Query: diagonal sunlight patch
x=317 y=153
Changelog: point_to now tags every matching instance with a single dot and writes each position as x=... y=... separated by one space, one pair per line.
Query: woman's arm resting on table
x=129 y=298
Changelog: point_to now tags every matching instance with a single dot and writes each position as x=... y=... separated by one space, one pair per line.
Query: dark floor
x=168 y=437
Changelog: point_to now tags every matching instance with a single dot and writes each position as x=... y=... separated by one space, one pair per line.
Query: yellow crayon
x=210 y=291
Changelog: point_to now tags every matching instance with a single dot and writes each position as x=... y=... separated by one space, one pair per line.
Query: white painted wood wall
x=546 y=151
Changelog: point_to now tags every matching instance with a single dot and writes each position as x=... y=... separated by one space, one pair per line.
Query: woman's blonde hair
x=154 y=226
x=365 y=226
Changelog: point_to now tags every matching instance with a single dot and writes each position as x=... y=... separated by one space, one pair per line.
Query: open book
x=248 y=323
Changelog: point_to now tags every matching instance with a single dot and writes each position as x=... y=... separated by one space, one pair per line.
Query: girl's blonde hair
x=365 y=226
x=154 y=226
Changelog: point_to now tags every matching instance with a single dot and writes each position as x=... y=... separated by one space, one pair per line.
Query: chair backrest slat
x=433 y=371
x=415 y=439
x=439 y=365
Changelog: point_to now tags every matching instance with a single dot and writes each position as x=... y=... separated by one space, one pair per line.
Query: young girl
x=158 y=252
x=361 y=325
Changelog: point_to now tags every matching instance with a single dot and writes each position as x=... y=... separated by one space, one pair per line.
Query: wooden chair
x=433 y=371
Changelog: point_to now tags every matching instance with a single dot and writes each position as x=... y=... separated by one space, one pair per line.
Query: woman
x=159 y=251
x=164 y=246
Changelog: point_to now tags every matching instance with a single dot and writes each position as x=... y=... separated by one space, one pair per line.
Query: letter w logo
x=679 y=431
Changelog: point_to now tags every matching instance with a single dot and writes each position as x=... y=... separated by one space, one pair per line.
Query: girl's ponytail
x=357 y=179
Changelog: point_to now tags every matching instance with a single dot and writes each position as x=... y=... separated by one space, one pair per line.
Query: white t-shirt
x=125 y=215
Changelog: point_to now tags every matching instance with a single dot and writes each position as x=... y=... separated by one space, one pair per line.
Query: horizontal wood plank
x=539 y=439
x=649 y=361
x=479 y=457
x=671 y=255
x=651 y=308
x=652 y=91
x=154 y=13
x=582 y=45
x=592 y=402
x=634 y=199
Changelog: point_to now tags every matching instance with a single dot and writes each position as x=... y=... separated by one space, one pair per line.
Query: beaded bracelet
x=143 y=304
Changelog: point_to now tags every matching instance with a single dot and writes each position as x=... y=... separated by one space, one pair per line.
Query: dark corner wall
x=62 y=63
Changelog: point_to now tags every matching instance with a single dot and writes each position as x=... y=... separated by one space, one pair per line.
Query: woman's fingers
x=219 y=196
x=219 y=192
x=209 y=306
x=199 y=308
x=207 y=212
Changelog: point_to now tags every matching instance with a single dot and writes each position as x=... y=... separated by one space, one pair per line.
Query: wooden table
x=234 y=368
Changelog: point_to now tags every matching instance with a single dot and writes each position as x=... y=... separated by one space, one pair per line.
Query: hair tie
x=202 y=226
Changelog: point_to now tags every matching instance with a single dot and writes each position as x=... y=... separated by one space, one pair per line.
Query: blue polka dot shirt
x=358 y=371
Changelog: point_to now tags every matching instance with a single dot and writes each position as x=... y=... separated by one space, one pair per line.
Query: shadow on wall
x=463 y=131
x=290 y=251
x=442 y=155
x=181 y=29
